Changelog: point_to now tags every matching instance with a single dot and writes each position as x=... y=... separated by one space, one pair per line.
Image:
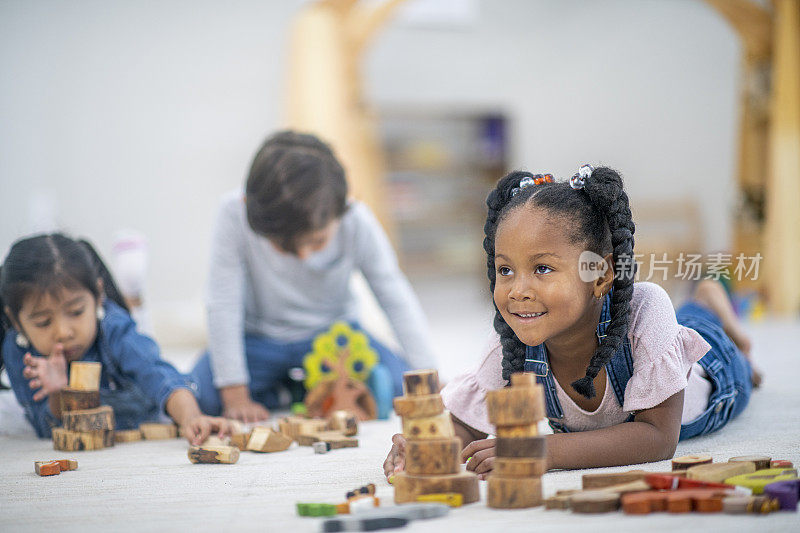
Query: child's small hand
x=198 y=429
x=481 y=457
x=248 y=412
x=48 y=374
x=396 y=460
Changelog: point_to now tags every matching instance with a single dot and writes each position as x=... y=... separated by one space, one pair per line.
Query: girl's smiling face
x=538 y=289
x=64 y=316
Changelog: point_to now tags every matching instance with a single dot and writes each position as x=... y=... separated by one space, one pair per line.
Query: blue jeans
x=269 y=361
x=727 y=368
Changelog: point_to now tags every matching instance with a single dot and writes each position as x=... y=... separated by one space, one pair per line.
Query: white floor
x=152 y=486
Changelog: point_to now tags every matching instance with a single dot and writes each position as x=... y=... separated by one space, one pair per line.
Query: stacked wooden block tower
x=86 y=425
x=433 y=464
x=516 y=480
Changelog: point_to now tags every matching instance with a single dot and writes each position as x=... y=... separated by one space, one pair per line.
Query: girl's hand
x=396 y=460
x=48 y=374
x=482 y=454
x=246 y=411
x=197 y=429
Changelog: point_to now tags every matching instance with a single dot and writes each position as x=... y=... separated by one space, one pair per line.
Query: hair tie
x=578 y=181
x=527 y=181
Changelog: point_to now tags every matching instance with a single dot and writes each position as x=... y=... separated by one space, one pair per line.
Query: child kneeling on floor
x=283 y=254
x=624 y=376
x=60 y=304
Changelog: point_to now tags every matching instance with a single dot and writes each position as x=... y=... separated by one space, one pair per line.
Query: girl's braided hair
x=599 y=218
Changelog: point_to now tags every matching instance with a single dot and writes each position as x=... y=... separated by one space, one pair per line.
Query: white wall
x=140 y=114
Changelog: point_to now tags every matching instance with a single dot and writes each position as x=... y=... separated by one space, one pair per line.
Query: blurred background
x=123 y=118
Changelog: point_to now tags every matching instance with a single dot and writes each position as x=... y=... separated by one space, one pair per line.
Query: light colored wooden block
x=532 y=447
x=525 y=430
x=516 y=406
x=523 y=379
x=76 y=400
x=594 y=501
x=511 y=467
x=294 y=426
x=432 y=427
x=96 y=419
x=687 y=461
x=420 y=382
x=719 y=472
x=213 y=454
x=127 y=435
x=513 y=492
x=408 y=487
x=334 y=440
x=156 y=431
x=267 y=440
x=213 y=440
x=84 y=375
x=73 y=441
x=343 y=421
x=597 y=481
x=47 y=468
x=761 y=462
x=421 y=406
x=437 y=456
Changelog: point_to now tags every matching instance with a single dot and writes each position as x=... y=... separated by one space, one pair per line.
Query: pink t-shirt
x=664 y=362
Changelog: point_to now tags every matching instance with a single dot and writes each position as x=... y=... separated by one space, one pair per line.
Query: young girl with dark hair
x=624 y=376
x=283 y=254
x=60 y=304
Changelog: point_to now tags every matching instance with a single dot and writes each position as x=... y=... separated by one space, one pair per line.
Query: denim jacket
x=134 y=381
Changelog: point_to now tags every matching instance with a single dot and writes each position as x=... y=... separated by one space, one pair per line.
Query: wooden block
x=334 y=439
x=761 y=462
x=408 y=487
x=214 y=440
x=294 y=426
x=67 y=464
x=667 y=482
x=344 y=422
x=780 y=463
x=422 y=406
x=623 y=488
x=787 y=493
x=515 y=406
x=644 y=502
x=213 y=454
x=127 y=435
x=436 y=456
x=155 y=431
x=532 y=447
x=597 y=481
x=76 y=400
x=594 y=501
x=73 y=441
x=679 y=501
x=682 y=463
x=47 y=468
x=451 y=499
x=267 y=440
x=523 y=379
x=510 y=467
x=756 y=481
x=513 y=492
x=240 y=440
x=560 y=502
x=702 y=500
x=432 y=427
x=84 y=375
x=749 y=504
x=719 y=472
x=89 y=419
x=420 y=382
x=711 y=503
x=525 y=430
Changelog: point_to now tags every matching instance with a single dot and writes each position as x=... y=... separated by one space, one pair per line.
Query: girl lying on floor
x=624 y=376
x=60 y=305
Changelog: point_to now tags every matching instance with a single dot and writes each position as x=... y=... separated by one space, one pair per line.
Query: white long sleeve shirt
x=255 y=289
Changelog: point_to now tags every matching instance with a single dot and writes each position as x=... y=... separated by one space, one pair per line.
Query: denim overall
x=727 y=369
